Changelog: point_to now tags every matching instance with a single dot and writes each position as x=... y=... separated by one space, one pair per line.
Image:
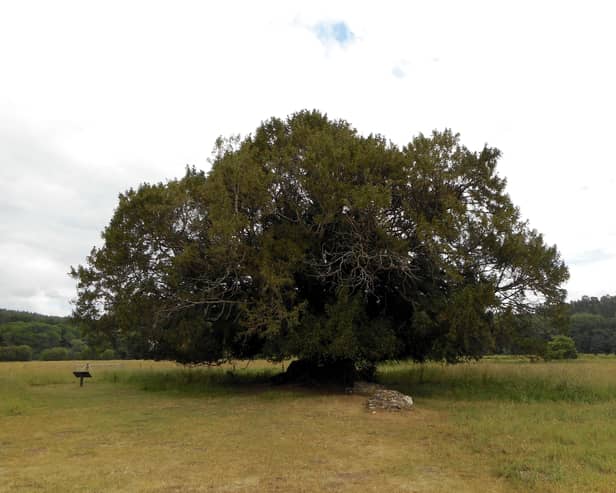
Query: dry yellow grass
x=55 y=436
x=493 y=426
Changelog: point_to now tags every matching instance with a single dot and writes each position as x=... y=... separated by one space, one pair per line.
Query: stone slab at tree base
x=381 y=398
x=390 y=400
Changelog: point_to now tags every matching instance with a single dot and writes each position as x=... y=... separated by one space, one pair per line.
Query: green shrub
x=561 y=347
x=55 y=354
x=108 y=354
x=80 y=350
x=23 y=353
x=16 y=353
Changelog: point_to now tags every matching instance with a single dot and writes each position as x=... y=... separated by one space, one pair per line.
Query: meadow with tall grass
x=497 y=425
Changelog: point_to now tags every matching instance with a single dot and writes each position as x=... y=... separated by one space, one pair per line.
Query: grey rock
x=381 y=398
x=389 y=400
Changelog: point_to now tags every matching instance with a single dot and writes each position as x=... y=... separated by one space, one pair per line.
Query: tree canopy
x=309 y=240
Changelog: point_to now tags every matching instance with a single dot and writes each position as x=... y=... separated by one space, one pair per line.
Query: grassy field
x=498 y=425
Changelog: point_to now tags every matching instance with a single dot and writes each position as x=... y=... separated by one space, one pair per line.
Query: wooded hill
x=25 y=336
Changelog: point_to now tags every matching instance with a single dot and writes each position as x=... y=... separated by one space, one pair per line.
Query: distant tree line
x=25 y=336
x=589 y=321
x=529 y=333
x=593 y=324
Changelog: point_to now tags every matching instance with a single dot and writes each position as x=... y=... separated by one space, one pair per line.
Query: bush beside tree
x=55 y=354
x=108 y=354
x=561 y=347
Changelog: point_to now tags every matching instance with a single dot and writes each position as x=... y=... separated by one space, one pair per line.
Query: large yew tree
x=311 y=241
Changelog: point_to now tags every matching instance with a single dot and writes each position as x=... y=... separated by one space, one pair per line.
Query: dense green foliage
x=529 y=333
x=593 y=324
x=604 y=306
x=308 y=240
x=39 y=332
x=561 y=347
x=25 y=336
x=55 y=354
x=15 y=353
x=590 y=322
x=7 y=316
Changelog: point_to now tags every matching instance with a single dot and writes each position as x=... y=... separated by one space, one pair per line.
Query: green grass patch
x=505 y=380
x=201 y=381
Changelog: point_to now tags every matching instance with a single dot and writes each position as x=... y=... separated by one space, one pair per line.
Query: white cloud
x=95 y=98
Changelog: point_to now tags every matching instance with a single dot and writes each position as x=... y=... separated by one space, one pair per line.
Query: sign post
x=81 y=375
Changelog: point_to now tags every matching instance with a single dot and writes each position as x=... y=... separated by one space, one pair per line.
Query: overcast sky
x=96 y=97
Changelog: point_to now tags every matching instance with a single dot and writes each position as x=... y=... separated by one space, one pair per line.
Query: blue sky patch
x=334 y=32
